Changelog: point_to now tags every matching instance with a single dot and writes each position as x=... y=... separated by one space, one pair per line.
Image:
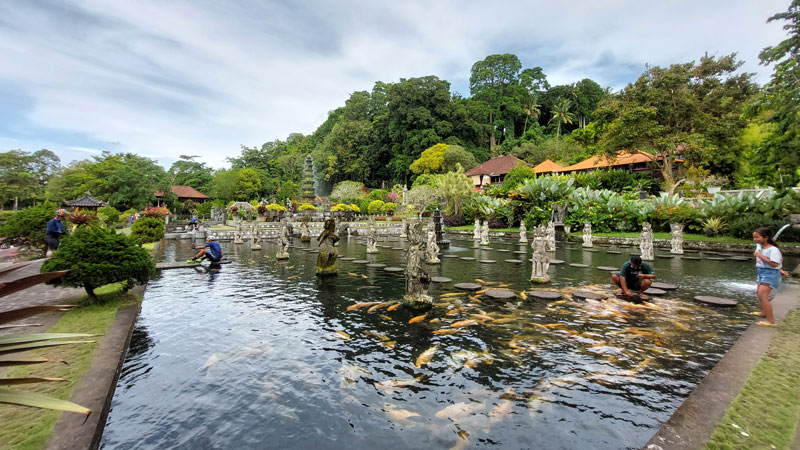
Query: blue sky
x=163 y=79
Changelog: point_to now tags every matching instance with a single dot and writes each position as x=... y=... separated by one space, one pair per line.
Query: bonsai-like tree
x=147 y=229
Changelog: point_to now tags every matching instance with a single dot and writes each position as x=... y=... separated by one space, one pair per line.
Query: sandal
x=758 y=313
x=764 y=323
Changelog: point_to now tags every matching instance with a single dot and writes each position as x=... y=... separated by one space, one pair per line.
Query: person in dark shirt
x=55 y=229
x=635 y=275
x=211 y=251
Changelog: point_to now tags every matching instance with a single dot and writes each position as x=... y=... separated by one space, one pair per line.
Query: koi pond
x=262 y=354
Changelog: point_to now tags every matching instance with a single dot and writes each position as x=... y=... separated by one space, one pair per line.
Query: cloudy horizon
x=163 y=79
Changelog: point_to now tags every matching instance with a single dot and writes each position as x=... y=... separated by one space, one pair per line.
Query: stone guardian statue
x=485 y=233
x=551 y=237
x=372 y=237
x=541 y=261
x=523 y=233
x=587 y=235
x=432 y=248
x=255 y=242
x=283 y=241
x=417 y=279
x=326 y=260
x=676 y=241
x=476 y=231
x=646 y=244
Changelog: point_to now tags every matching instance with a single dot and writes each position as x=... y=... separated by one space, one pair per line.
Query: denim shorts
x=769 y=276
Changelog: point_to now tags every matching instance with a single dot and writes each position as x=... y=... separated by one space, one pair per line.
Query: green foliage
x=108 y=215
x=378 y=194
x=24 y=175
x=455 y=188
x=714 y=226
x=147 y=229
x=248 y=184
x=288 y=190
x=388 y=207
x=188 y=172
x=375 y=207
x=743 y=226
x=424 y=180
x=431 y=160
x=276 y=207
x=30 y=224
x=516 y=176
x=562 y=151
x=307 y=207
x=204 y=209
x=348 y=191
x=421 y=197
x=96 y=257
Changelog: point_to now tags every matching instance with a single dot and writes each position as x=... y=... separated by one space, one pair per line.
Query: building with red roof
x=185 y=193
x=494 y=170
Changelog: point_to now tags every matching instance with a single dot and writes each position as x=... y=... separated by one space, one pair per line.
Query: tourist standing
x=55 y=229
x=769 y=266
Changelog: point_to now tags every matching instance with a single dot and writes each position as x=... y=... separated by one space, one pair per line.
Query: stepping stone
x=716 y=258
x=665 y=256
x=467 y=258
x=441 y=280
x=613 y=252
x=542 y=294
x=360 y=261
x=486 y=248
x=393 y=269
x=449 y=256
x=664 y=286
x=468 y=286
x=585 y=294
x=578 y=265
x=500 y=294
x=739 y=258
x=520 y=252
x=346 y=258
x=593 y=250
x=385 y=246
x=715 y=301
x=314 y=251
x=487 y=261
x=396 y=248
x=608 y=268
x=655 y=291
x=502 y=250
x=376 y=265
x=513 y=261
x=694 y=258
x=556 y=261
x=572 y=248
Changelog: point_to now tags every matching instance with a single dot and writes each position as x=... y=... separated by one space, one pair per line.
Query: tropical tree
x=456 y=188
x=561 y=114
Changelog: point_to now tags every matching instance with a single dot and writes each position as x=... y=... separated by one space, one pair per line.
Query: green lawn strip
x=25 y=428
x=472 y=227
x=686 y=237
x=766 y=411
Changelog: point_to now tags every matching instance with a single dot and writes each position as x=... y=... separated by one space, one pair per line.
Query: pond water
x=262 y=354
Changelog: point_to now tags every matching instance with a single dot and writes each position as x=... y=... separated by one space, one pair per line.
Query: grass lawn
x=686 y=237
x=25 y=428
x=472 y=227
x=766 y=411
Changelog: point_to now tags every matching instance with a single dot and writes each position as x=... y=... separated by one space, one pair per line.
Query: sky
x=203 y=77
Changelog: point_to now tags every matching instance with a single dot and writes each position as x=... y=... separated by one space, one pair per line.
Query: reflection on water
x=262 y=354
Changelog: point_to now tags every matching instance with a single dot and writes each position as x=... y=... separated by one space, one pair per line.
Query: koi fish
x=352 y=274
x=377 y=335
x=379 y=306
x=479 y=281
x=385 y=317
x=390 y=344
x=453 y=312
x=292 y=277
x=364 y=276
x=437 y=320
x=393 y=307
x=361 y=305
x=459 y=410
x=523 y=295
x=556 y=303
x=343 y=334
x=425 y=357
x=419 y=318
x=482 y=317
x=447 y=331
x=463 y=323
x=452 y=294
x=682 y=326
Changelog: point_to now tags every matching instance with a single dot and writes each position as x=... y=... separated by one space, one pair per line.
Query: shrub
x=453 y=221
x=307 y=207
x=108 y=215
x=276 y=207
x=378 y=194
x=4 y=215
x=158 y=213
x=355 y=208
x=341 y=207
x=147 y=229
x=96 y=257
x=204 y=209
x=347 y=191
x=375 y=207
x=29 y=224
x=262 y=209
x=78 y=218
x=742 y=227
x=389 y=206
x=714 y=226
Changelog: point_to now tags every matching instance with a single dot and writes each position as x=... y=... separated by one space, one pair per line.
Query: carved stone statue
x=476 y=231
x=587 y=235
x=485 y=233
x=326 y=260
x=431 y=248
x=417 y=279
x=405 y=191
x=255 y=242
x=283 y=241
x=523 y=233
x=238 y=237
x=676 y=233
x=541 y=262
x=305 y=234
x=551 y=237
x=372 y=237
x=646 y=244
x=559 y=213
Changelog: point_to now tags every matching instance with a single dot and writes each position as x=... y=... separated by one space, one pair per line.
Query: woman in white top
x=769 y=262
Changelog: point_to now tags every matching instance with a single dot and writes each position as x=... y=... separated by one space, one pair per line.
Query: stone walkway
x=41 y=294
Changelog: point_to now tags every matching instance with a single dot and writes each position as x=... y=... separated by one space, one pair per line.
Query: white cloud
x=171 y=78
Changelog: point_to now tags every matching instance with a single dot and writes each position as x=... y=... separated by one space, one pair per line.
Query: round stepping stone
x=376 y=265
x=346 y=258
x=487 y=261
x=572 y=248
x=613 y=252
x=520 y=252
x=315 y=251
x=468 y=286
x=665 y=256
x=694 y=258
x=396 y=248
x=542 y=294
x=578 y=265
x=655 y=291
x=441 y=280
x=500 y=294
x=664 y=286
x=513 y=261
x=467 y=258
x=502 y=250
x=716 y=258
x=715 y=301
x=585 y=294
x=393 y=269
x=556 y=261
x=486 y=248
x=449 y=256
x=608 y=268
x=360 y=261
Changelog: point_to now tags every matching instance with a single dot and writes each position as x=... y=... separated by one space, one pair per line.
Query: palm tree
x=531 y=109
x=561 y=114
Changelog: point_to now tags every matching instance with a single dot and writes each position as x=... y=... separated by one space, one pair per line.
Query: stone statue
x=326 y=260
x=372 y=237
x=431 y=248
x=541 y=262
x=523 y=233
x=417 y=280
x=238 y=238
x=405 y=191
x=288 y=208
x=255 y=243
x=551 y=237
x=485 y=233
x=305 y=234
x=676 y=233
x=283 y=241
x=559 y=213
x=476 y=231
x=646 y=244
x=587 y=234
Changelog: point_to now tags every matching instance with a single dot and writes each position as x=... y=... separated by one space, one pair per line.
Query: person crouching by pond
x=769 y=266
x=55 y=229
x=211 y=251
x=634 y=275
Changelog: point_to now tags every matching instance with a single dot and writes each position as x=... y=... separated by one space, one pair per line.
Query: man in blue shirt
x=55 y=229
x=634 y=275
x=211 y=250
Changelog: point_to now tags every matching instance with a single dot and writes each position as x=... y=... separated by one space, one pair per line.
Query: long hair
x=767 y=233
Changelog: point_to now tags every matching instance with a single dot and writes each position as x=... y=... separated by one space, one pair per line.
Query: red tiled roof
x=623 y=158
x=548 y=166
x=184 y=192
x=496 y=166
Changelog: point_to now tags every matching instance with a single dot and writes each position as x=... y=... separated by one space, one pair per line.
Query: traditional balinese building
x=493 y=171
x=184 y=193
x=87 y=202
x=633 y=161
x=547 y=166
